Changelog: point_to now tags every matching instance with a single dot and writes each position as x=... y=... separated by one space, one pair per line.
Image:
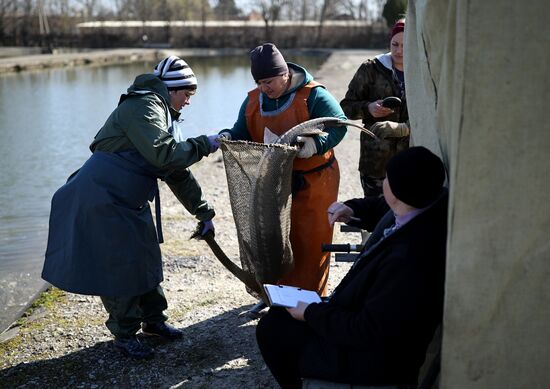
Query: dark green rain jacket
x=102 y=239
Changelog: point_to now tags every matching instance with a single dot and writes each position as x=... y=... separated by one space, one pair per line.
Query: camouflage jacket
x=374 y=80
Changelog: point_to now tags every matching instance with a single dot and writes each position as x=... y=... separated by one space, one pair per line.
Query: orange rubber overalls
x=309 y=222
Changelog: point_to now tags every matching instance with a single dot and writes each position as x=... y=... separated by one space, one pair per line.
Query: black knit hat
x=267 y=61
x=416 y=176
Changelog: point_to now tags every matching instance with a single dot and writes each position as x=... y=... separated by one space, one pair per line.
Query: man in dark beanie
x=287 y=95
x=415 y=176
x=376 y=326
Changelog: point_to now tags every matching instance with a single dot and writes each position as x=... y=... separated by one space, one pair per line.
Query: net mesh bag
x=259 y=178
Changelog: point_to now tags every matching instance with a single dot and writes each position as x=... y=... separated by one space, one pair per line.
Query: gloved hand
x=202 y=229
x=208 y=225
x=214 y=142
x=224 y=135
x=389 y=129
x=308 y=147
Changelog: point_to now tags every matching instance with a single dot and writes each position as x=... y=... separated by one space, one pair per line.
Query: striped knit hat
x=175 y=73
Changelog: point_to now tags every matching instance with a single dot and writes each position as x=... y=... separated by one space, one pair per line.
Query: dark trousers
x=281 y=340
x=127 y=313
x=372 y=186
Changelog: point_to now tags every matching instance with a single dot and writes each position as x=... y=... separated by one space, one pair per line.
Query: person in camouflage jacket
x=375 y=80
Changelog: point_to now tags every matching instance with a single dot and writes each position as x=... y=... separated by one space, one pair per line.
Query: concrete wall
x=331 y=34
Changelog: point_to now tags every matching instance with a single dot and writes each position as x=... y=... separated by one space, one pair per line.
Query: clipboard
x=289 y=296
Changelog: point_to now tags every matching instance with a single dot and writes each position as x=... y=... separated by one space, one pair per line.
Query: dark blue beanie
x=267 y=61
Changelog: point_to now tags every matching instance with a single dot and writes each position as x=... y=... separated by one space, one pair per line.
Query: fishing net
x=259 y=179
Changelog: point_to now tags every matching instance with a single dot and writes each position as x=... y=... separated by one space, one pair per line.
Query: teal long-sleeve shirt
x=320 y=103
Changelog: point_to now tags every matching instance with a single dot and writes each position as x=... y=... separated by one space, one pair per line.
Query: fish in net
x=259 y=179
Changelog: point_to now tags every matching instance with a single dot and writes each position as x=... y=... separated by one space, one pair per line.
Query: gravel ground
x=64 y=344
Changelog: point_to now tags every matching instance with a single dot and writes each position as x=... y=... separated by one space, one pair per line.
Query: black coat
x=377 y=325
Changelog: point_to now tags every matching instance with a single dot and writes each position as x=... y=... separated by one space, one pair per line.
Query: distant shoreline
x=37 y=62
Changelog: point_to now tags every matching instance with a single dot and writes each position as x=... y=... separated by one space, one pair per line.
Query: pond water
x=47 y=121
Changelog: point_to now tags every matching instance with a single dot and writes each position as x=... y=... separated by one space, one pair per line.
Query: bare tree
x=290 y=10
x=5 y=6
x=304 y=9
x=190 y=9
x=363 y=10
x=124 y=9
x=271 y=12
x=25 y=29
x=325 y=9
x=352 y=9
x=226 y=10
x=89 y=8
x=379 y=4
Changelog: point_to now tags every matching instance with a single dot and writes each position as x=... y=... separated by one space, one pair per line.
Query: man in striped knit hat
x=102 y=239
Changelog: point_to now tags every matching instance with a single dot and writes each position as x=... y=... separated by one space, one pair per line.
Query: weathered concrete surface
x=18 y=51
x=45 y=61
x=15 y=64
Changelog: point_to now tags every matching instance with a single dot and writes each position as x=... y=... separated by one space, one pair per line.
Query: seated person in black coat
x=375 y=328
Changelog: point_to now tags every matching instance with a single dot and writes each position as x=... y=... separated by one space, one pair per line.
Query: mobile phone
x=391 y=102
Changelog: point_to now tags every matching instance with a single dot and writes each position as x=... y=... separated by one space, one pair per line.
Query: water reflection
x=47 y=121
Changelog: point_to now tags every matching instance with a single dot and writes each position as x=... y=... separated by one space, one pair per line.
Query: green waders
x=127 y=313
